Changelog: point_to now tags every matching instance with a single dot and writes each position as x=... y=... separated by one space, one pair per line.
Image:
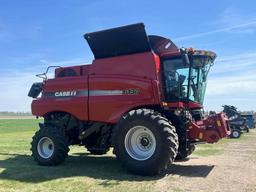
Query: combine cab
x=141 y=95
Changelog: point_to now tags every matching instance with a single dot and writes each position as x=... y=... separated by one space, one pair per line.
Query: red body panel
x=140 y=65
x=102 y=80
x=108 y=107
x=77 y=106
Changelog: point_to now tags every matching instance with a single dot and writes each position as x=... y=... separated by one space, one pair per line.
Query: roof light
x=191 y=50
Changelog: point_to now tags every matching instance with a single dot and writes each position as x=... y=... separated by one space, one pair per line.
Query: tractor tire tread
x=167 y=139
x=60 y=141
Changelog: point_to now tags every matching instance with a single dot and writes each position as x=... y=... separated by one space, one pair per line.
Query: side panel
x=140 y=65
x=68 y=94
x=112 y=96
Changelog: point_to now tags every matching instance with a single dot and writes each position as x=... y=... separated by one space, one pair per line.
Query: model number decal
x=131 y=92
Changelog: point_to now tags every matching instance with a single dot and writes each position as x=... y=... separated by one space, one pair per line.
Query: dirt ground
x=233 y=170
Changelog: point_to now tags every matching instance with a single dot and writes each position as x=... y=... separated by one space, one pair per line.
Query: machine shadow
x=190 y=170
x=22 y=168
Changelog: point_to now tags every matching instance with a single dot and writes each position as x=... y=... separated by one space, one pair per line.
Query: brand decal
x=65 y=93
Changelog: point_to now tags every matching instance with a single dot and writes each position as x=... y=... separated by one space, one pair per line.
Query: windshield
x=181 y=82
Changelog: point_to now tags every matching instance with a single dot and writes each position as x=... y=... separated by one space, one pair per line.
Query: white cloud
x=232 y=85
x=233 y=74
x=225 y=29
x=14 y=90
x=241 y=63
x=75 y=61
x=229 y=21
x=231 y=17
x=232 y=80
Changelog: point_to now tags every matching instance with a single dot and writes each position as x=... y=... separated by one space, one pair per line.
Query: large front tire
x=145 y=142
x=49 y=146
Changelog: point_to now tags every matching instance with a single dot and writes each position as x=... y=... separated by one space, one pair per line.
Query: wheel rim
x=45 y=147
x=140 y=143
x=235 y=134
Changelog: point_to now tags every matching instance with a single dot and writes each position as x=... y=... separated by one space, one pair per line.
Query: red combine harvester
x=142 y=95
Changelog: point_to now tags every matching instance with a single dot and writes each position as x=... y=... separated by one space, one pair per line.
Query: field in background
x=211 y=167
x=15 y=115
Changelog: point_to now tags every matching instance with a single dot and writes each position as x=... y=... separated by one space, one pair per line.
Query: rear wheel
x=235 y=134
x=140 y=143
x=145 y=142
x=49 y=146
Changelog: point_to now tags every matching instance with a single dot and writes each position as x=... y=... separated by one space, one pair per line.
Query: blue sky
x=35 y=34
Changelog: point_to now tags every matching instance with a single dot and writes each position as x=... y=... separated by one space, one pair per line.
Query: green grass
x=18 y=125
x=80 y=172
x=205 y=150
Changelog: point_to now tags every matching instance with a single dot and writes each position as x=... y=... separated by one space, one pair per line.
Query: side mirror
x=184 y=56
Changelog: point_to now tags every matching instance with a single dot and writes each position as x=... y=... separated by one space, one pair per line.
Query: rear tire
x=145 y=142
x=235 y=134
x=49 y=146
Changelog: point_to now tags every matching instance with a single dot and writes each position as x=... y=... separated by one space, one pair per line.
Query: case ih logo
x=65 y=93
